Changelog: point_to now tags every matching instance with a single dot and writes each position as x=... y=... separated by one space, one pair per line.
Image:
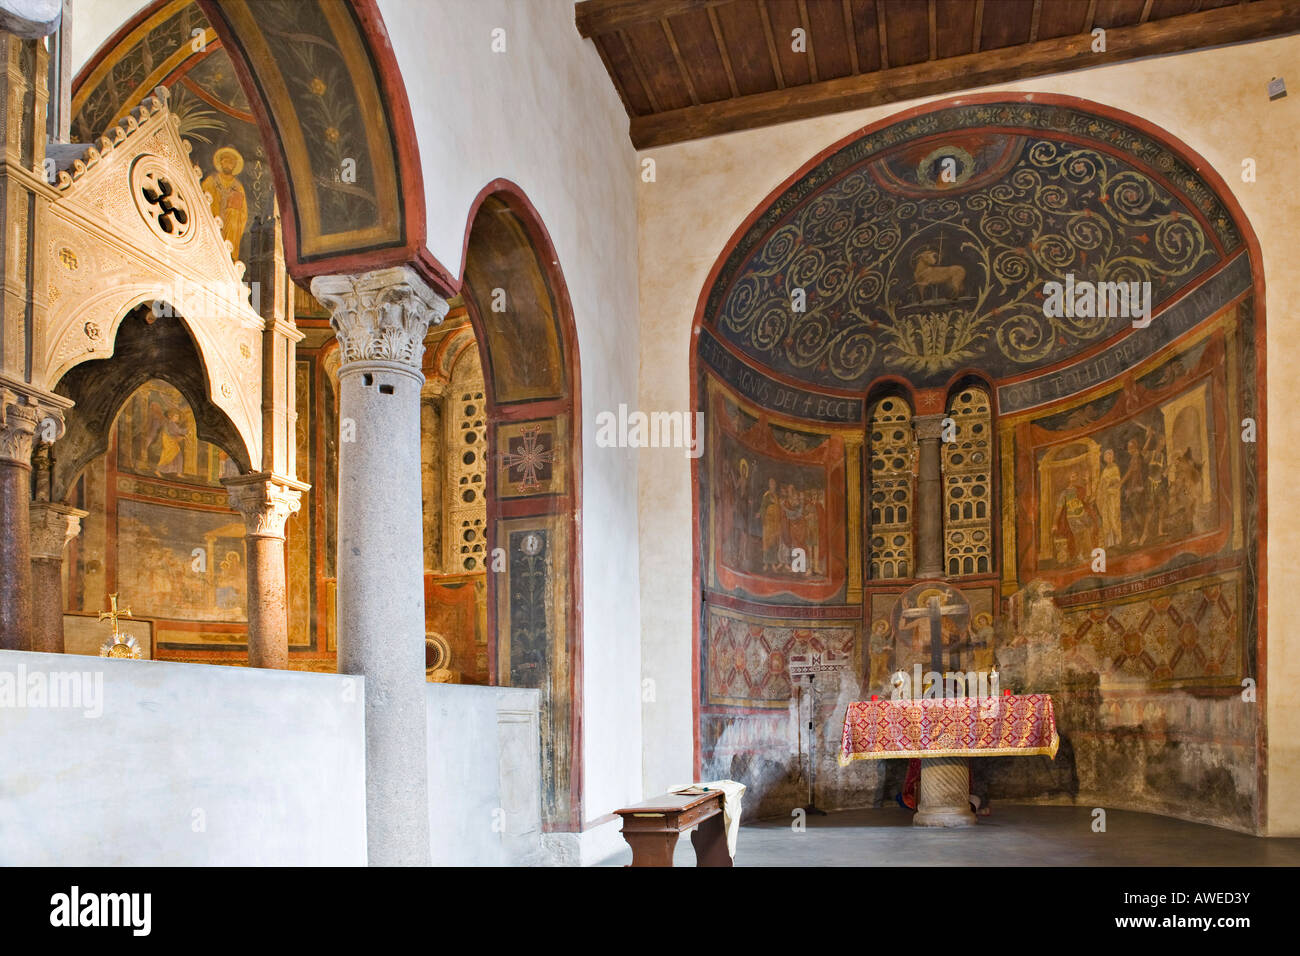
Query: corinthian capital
x=18 y=421
x=380 y=316
x=265 y=500
x=53 y=526
x=928 y=426
x=28 y=413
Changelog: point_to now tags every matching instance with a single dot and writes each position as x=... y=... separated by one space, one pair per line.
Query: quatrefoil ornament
x=160 y=200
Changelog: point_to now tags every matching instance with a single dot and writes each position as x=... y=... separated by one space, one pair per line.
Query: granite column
x=380 y=319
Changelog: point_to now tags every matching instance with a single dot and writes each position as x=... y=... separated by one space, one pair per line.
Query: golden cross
x=113 y=614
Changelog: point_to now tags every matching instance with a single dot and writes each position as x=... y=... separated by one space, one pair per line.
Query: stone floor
x=1012 y=836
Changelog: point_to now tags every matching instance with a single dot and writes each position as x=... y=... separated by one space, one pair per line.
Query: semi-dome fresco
x=923 y=248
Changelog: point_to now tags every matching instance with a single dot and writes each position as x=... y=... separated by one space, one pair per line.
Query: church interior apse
x=891 y=402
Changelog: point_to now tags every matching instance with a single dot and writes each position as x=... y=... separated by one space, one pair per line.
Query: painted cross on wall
x=529 y=459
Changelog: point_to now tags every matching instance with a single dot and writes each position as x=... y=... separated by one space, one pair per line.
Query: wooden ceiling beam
x=851 y=34
x=595 y=17
x=640 y=73
x=933 y=32
x=808 y=40
x=977 y=31
x=880 y=31
x=722 y=51
x=1235 y=24
x=681 y=64
x=771 y=44
x=613 y=75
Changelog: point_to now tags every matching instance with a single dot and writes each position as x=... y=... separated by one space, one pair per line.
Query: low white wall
x=485 y=778
x=184 y=764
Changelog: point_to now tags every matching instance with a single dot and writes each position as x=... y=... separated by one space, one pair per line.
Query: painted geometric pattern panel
x=1183 y=633
x=905 y=270
x=748 y=657
x=531 y=458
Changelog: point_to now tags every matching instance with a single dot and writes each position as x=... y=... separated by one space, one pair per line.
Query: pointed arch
x=144 y=348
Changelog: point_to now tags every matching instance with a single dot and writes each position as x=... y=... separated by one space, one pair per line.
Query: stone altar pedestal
x=943 y=798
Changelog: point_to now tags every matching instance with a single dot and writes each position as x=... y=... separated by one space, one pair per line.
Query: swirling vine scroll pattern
x=848 y=245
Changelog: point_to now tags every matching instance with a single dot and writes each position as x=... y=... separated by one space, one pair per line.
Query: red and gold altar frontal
x=949 y=727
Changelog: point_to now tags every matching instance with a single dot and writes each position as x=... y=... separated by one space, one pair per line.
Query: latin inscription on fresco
x=776 y=396
x=1123 y=355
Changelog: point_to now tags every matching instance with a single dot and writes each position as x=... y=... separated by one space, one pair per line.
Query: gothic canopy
x=922 y=247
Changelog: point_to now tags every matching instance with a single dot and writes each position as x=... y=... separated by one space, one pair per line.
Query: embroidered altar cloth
x=949 y=727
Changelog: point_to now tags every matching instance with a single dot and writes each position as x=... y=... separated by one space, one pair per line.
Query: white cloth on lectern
x=732 y=793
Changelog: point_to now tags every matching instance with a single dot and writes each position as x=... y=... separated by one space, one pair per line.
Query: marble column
x=18 y=421
x=929 y=496
x=266 y=501
x=380 y=319
x=52 y=527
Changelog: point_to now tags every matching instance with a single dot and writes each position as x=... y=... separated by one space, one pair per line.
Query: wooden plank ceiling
x=686 y=69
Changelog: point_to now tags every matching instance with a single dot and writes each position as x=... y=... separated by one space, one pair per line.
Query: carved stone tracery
x=127 y=224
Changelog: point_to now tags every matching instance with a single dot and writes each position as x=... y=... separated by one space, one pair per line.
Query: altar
x=944 y=733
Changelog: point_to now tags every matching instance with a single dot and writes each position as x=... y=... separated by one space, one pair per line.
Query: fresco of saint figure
x=793 y=525
x=1184 y=494
x=1076 y=520
x=171 y=444
x=1108 y=499
x=226 y=193
x=736 y=509
x=769 y=509
x=1136 y=493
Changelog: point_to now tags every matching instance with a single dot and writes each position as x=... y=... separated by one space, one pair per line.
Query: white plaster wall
x=485 y=786
x=270 y=763
x=93 y=22
x=1213 y=100
x=544 y=115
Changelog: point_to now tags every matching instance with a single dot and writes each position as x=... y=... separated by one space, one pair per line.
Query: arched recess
x=911 y=274
x=144 y=455
x=320 y=81
x=518 y=303
x=145 y=348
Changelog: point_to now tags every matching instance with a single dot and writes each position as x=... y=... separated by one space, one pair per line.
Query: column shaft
x=929 y=497
x=381 y=319
x=47 y=605
x=266 y=501
x=52 y=527
x=944 y=793
x=18 y=421
x=268 y=621
x=15 y=557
